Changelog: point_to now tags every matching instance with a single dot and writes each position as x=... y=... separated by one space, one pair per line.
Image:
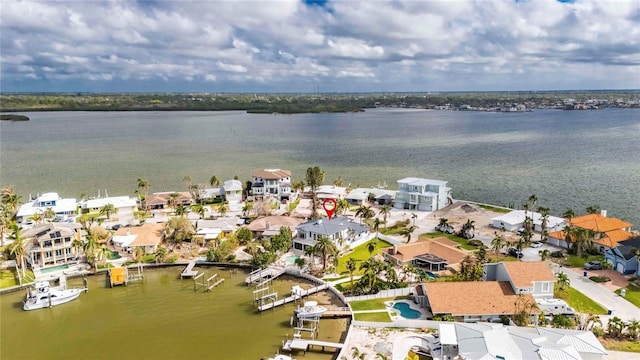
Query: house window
x=545 y=287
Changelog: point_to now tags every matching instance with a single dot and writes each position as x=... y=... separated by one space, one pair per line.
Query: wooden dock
x=262 y=276
x=292 y=298
x=337 y=312
x=188 y=271
x=304 y=345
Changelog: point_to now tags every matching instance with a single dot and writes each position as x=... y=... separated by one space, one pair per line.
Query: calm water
x=569 y=159
x=162 y=318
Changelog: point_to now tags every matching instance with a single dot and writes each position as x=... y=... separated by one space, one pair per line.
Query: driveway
x=600 y=294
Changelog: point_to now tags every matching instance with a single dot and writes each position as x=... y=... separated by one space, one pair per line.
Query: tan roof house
x=433 y=254
x=160 y=200
x=148 y=236
x=269 y=226
x=535 y=278
x=604 y=232
x=472 y=301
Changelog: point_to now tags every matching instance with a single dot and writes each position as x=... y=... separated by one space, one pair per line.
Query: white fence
x=383 y=294
x=390 y=239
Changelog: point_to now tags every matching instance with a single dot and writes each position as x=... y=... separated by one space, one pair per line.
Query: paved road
x=609 y=300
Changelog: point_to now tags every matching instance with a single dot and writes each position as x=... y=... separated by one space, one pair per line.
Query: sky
x=318 y=46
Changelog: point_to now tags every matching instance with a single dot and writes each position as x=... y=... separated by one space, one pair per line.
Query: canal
x=160 y=318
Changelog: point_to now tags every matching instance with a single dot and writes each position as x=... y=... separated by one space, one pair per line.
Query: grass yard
x=359 y=254
x=578 y=261
x=394 y=229
x=373 y=304
x=464 y=243
x=496 y=209
x=7 y=279
x=633 y=295
x=578 y=301
x=492 y=256
x=381 y=316
x=617 y=345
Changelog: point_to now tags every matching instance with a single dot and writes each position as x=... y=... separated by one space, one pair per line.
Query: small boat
x=281 y=357
x=42 y=295
x=309 y=310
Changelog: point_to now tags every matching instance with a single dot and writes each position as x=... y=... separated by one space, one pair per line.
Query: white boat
x=309 y=310
x=281 y=357
x=555 y=306
x=42 y=295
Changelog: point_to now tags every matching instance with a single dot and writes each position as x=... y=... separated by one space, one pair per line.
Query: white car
x=536 y=244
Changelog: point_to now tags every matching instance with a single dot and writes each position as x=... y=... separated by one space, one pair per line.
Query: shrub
x=557 y=254
x=476 y=243
x=598 y=331
x=599 y=279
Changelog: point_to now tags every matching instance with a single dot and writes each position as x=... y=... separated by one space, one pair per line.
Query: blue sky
x=311 y=45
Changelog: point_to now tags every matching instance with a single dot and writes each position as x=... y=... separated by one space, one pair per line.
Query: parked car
x=116 y=226
x=515 y=253
x=536 y=244
x=445 y=229
x=593 y=265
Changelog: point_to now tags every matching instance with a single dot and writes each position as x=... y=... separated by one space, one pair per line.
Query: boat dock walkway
x=292 y=298
x=258 y=276
x=188 y=271
x=304 y=344
x=337 y=312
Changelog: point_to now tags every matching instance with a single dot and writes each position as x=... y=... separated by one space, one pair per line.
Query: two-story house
x=535 y=278
x=231 y=192
x=125 y=206
x=604 y=232
x=623 y=257
x=342 y=231
x=51 y=244
x=65 y=209
x=422 y=194
x=274 y=183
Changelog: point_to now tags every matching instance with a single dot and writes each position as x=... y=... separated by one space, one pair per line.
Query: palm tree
x=181 y=210
x=593 y=209
x=326 y=248
x=108 y=210
x=246 y=209
x=633 y=329
x=214 y=181
x=222 y=209
x=533 y=200
x=143 y=185
x=544 y=213
x=569 y=214
x=173 y=198
x=200 y=210
x=605 y=266
x=467 y=229
x=544 y=254
x=615 y=327
x=583 y=240
x=49 y=214
x=414 y=216
x=364 y=212
x=314 y=178
x=406 y=232
x=376 y=225
x=10 y=200
x=188 y=181
x=371 y=248
x=342 y=205
x=562 y=280
x=338 y=181
x=497 y=243
x=351 y=267
x=18 y=249
x=37 y=217
x=160 y=254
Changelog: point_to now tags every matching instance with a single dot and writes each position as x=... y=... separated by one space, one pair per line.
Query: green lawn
x=633 y=295
x=464 y=243
x=578 y=261
x=359 y=254
x=579 y=301
x=8 y=279
x=381 y=316
x=496 y=209
x=373 y=304
x=394 y=229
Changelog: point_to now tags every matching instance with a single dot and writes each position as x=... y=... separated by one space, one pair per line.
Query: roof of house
x=147 y=234
x=330 y=227
x=627 y=247
x=270 y=222
x=61 y=206
x=163 y=197
x=440 y=247
x=599 y=223
x=43 y=230
x=271 y=174
x=473 y=298
x=611 y=238
x=421 y=181
x=523 y=274
x=518 y=216
x=232 y=185
x=117 y=201
x=222 y=224
x=363 y=193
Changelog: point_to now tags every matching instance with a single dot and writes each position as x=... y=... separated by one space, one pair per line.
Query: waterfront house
x=422 y=194
x=481 y=341
x=148 y=237
x=535 y=278
x=125 y=206
x=432 y=254
x=215 y=229
x=269 y=226
x=330 y=191
x=604 y=232
x=342 y=231
x=52 y=244
x=161 y=200
x=209 y=194
x=274 y=183
x=623 y=257
x=472 y=301
x=379 y=196
x=65 y=209
x=514 y=221
x=231 y=192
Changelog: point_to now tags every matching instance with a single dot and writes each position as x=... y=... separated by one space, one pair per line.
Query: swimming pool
x=291 y=259
x=428 y=274
x=54 y=268
x=406 y=311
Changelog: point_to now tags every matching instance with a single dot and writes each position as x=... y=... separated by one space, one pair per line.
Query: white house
x=514 y=220
x=422 y=194
x=148 y=237
x=65 y=209
x=272 y=183
x=535 y=278
x=124 y=205
x=380 y=196
x=231 y=191
x=342 y=231
x=330 y=191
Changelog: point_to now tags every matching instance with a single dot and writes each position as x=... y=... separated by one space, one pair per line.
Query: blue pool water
x=292 y=259
x=429 y=274
x=406 y=311
x=54 y=268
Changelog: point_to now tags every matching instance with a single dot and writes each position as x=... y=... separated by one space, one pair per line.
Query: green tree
x=633 y=330
x=178 y=229
x=371 y=248
x=325 y=247
x=173 y=198
x=544 y=254
x=544 y=213
x=214 y=181
x=188 y=181
x=222 y=209
x=338 y=181
x=471 y=269
x=160 y=254
x=49 y=214
x=18 y=250
x=181 y=210
x=594 y=209
x=615 y=327
x=406 y=232
x=351 y=267
x=563 y=280
x=467 y=229
x=201 y=210
x=497 y=243
x=568 y=214
x=108 y=210
x=244 y=235
x=314 y=178
x=143 y=187
x=385 y=210
x=376 y=225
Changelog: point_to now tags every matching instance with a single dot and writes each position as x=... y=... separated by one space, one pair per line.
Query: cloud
x=295 y=45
